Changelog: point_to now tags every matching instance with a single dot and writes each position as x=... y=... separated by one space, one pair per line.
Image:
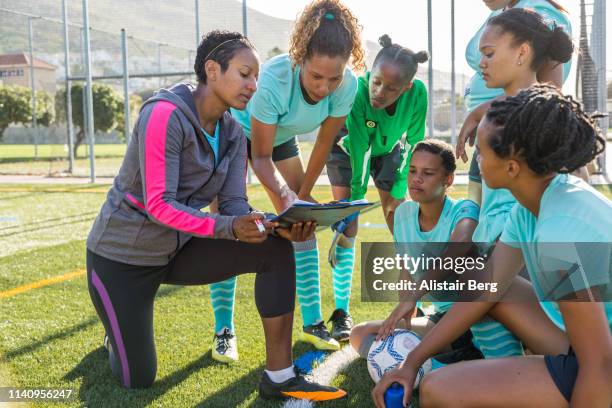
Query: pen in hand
x=260 y=226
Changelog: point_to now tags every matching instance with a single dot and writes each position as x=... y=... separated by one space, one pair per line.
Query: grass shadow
x=237 y=392
x=99 y=388
x=68 y=332
x=356 y=381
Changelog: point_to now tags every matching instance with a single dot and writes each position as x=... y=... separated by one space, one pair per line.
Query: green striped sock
x=307 y=280
x=343 y=276
x=494 y=340
x=222 y=299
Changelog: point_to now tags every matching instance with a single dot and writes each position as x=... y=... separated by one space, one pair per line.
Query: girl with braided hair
x=386 y=121
x=561 y=230
x=311 y=87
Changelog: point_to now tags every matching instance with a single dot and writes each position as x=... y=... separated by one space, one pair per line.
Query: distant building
x=15 y=70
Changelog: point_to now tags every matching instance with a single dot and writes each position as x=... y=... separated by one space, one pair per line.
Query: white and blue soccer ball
x=388 y=353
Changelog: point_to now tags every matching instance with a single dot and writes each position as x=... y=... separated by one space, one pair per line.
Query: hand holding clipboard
x=323 y=214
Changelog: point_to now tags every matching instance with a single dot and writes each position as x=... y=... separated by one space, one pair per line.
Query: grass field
x=51 y=335
x=19 y=159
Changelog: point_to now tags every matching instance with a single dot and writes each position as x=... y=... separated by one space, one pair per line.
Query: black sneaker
x=342 y=324
x=318 y=335
x=297 y=387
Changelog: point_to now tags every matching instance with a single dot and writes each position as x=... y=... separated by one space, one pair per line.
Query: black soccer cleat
x=342 y=324
x=297 y=387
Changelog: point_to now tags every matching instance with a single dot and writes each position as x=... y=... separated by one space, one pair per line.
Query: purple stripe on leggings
x=112 y=317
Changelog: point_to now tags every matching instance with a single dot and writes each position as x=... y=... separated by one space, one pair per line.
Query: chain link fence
x=161 y=43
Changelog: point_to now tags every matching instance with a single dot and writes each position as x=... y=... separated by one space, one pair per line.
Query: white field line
x=326 y=372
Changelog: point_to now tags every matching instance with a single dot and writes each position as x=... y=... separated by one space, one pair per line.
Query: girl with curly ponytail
x=311 y=87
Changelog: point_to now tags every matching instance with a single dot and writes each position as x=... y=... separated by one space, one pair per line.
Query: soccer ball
x=386 y=354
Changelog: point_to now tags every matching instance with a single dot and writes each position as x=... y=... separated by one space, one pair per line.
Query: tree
x=16 y=107
x=274 y=52
x=45 y=109
x=610 y=90
x=135 y=104
x=107 y=109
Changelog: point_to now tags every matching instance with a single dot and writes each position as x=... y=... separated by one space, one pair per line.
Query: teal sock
x=435 y=364
x=494 y=340
x=307 y=280
x=342 y=275
x=222 y=298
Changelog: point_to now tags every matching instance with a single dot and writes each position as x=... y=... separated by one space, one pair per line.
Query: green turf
x=51 y=336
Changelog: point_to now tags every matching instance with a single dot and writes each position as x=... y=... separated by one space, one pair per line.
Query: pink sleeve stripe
x=134 y=201
x=155 y=177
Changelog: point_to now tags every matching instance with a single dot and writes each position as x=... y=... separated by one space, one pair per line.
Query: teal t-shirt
x=279 y=101
x=406 y=228
x=477 y=91
x=373 y=132
x=495 y=206
x=214 y=142
x=571 y=211
x=497 y=203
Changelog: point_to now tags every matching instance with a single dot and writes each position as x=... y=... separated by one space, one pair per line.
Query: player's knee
x=357 y=333
x=361 y=338
x=279 y=251
x=285 y=253
x=434 y=393
x=142 y=379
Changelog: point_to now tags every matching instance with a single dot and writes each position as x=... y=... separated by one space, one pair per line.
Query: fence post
x=33 y=85
x=197 y=22
x=69 y=126
x=430 y=81
x=126 y=87
x=89 y=93
x=453 y=79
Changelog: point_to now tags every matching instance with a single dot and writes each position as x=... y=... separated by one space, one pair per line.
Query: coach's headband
x=215 y=49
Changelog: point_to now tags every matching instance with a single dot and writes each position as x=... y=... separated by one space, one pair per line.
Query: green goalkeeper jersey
x=373 y=132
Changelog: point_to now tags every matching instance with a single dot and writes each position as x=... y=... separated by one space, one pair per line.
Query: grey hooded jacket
x=168 y=174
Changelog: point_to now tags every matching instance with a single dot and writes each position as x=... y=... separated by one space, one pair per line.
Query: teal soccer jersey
x=406 y=228
x=279 y=101
x=571 y=212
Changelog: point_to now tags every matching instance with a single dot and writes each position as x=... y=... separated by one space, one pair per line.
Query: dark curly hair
x=527 y=26
x=547 y=129
x=327 y=27
x=405 y=58
x=440 y=148
x=219 y=46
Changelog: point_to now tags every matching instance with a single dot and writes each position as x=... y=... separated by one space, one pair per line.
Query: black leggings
x=123 y=294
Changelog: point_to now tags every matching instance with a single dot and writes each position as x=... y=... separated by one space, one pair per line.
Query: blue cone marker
x=394 y=396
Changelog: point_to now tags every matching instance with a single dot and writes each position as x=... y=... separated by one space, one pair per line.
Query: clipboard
x=324 y=214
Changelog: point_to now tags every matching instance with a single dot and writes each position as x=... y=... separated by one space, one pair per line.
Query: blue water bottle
x=394 y=396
